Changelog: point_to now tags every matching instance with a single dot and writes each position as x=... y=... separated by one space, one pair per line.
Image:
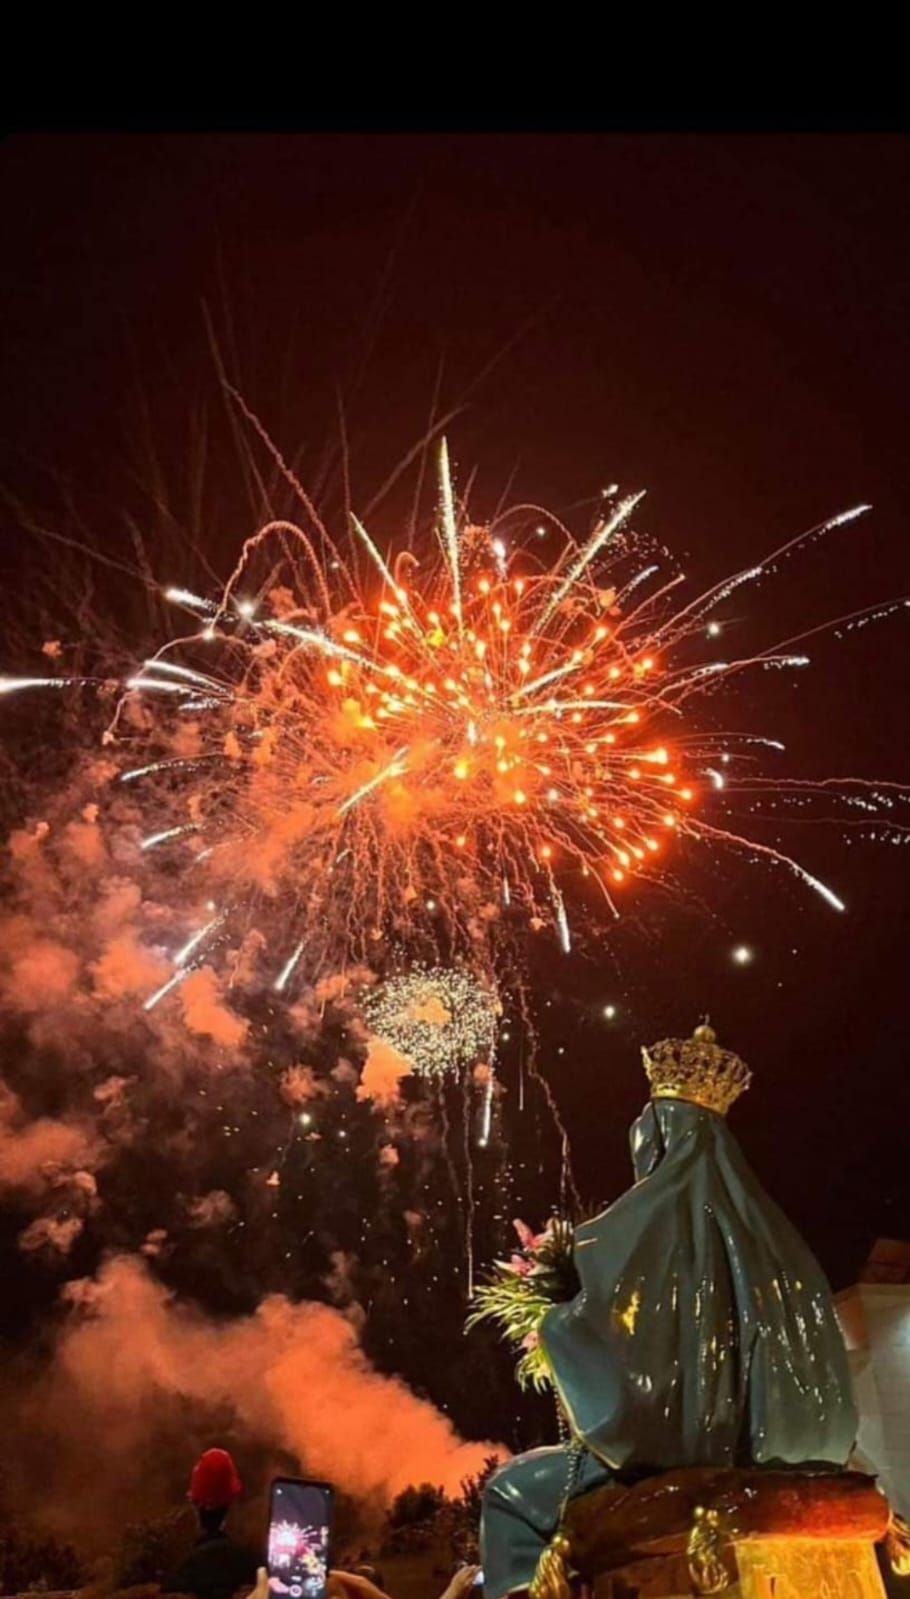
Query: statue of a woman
x=703 y=1334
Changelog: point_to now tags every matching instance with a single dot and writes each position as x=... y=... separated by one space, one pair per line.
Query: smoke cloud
x=383 y=1070
x=136 y=1375
x=32 y=1153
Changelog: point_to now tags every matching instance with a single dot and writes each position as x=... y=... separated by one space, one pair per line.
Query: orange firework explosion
x=439 y=750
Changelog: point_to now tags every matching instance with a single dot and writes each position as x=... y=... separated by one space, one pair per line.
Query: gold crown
x=696 y=1069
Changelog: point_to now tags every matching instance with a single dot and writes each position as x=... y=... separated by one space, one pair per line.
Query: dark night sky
x=723 y=320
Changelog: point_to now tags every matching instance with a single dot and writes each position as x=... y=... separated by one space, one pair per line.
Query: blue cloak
x=704 y=1334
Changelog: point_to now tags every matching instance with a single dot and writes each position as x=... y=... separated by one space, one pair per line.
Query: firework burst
x=352 y=750
x=442 y=1019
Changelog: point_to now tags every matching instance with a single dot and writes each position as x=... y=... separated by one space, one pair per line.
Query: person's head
x=214 y=1485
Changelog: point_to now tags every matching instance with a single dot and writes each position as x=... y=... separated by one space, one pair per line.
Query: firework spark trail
x=779 y=859
x=168 y=834
x=450 y=530
x=287 y=970
x=601 y=535
x=698 y=608
x=442 y=754
x=166 y=988
x=396 y=768
x=197 y=938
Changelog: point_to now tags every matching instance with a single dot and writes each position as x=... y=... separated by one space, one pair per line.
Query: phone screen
x=300 y=1515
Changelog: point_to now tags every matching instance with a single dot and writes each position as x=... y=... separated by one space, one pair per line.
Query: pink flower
x=531 y=1342
x=520 y=1266
x=525 y=1235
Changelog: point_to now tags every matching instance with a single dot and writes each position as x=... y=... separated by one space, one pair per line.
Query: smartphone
x=300 y=1524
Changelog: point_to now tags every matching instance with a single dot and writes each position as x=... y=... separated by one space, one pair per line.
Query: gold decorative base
x=740 y=1534
x=807 y=1568
x=765 y=1568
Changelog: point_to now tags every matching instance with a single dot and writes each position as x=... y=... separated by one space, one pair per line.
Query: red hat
x=214 y=1483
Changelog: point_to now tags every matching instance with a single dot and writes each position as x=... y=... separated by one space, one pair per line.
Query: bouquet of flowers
x=540 y=1274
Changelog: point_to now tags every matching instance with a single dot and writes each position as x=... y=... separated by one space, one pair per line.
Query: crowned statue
x=701 y=1348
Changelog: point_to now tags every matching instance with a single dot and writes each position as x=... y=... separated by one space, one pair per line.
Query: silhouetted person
x=215 y=1568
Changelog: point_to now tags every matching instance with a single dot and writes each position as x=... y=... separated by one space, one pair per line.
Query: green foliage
x=416 y=1505
x=464 y=1530
x=423 y=1518
x=151 y=1549
x=519 y=1293
x=37 y=1564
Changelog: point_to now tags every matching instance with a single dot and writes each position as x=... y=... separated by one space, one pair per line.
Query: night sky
x=723 y=320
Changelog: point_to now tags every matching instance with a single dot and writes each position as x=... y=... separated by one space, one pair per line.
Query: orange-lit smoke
x=133 y=1366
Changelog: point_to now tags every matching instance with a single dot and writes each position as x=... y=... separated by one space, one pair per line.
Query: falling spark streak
x=140 y=682
x=172 y=982
x=325 y=646
x=394 y=769
x=287 y=970
x=779 y=859
x=157 y=663
x=486 y=1117
x=821 y=888
x=714 y=667
x=154 y=839
x=558 y=707
x=365 y=539
x=173 y=763
x=562 y=921
x=548 y=677
x=717 y=778
x=183 y=954
x=192 y=602
x=636 y=582
x=846 y=516
x=593 y=548
x=12 y=685
x=450 y=529
x=704 y=603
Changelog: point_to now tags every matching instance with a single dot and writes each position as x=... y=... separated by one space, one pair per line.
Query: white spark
x=820 y=887
x=193 y=602
x=846 y=516
x=287 y=969
x=141 y=682
x=11 y=685
x=593 y=547
x=394 y=769
x=183 y=954
x=562 y=921
x=157 y=663
x=450 y=528
x=483 y=1137
x=155 y=839
x=165 y=988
